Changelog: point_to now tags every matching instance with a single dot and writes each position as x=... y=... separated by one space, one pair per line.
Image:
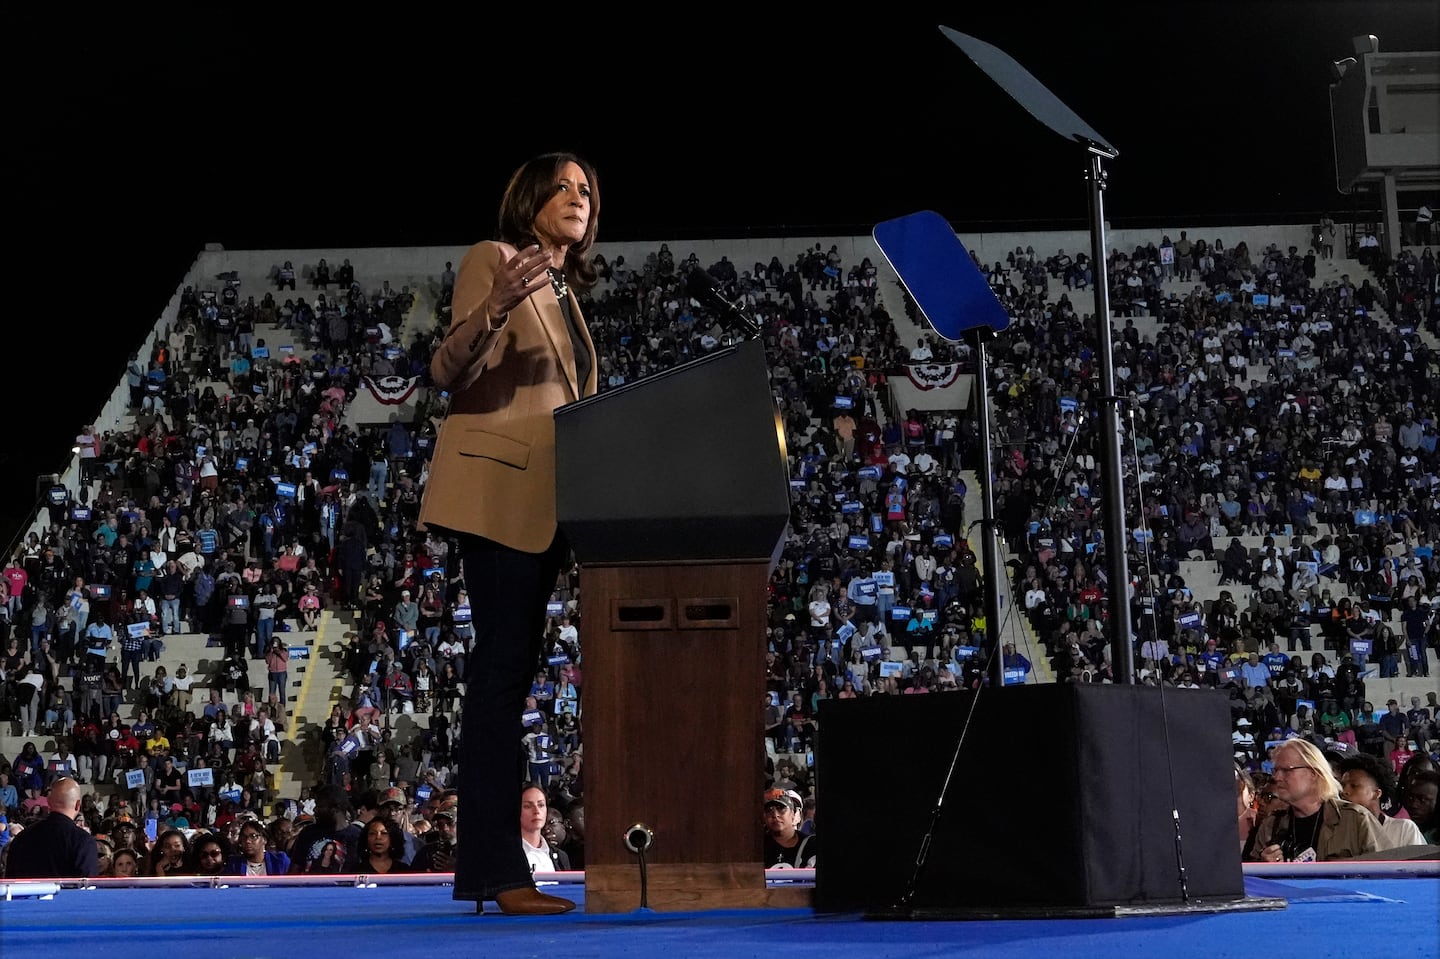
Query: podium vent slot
x=641 y=614
x=709 y=613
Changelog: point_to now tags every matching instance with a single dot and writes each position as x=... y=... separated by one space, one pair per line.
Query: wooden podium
x=673 y=492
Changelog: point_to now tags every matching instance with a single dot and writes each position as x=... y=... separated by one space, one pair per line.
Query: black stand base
x=992 y=913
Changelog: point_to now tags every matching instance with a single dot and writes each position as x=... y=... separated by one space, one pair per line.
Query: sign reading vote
x=135 y=779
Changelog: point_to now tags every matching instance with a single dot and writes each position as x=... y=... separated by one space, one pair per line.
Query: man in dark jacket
x=54 y=847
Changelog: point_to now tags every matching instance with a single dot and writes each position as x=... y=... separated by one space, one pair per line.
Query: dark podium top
x=688 y=464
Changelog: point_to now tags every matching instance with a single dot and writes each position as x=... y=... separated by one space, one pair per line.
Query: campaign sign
x=1190 y=620
x=308 y=449
x=1069 y=404
x=870 y=653
x=260 y=353
x=402 y=639
x=298 y=652
x=858 y=542
x=99 y=592
x=1309 y=704
x=851 y=506
x=532 y=717
x=286 y=490
x=462 y=614
x=1014 y=677
x=928 y=616
x=200 y=777
x=1261 y=299
x=844 y=632
x=231 y=794
x=339 y=475
x=238 y=601
x=135 y=779
x=1360 y=649
x=80 y=514
x=242 y=463
x=136 y=630
x=884 y=578
x=868 y=472
x=966 y=652
x=287 y=348
x=1223 y=297
x=892 y=669
x=944 y=539
x=1285 y=354
x=559 y=659
x=844 y=403
x=554 y=609
x=797 y=484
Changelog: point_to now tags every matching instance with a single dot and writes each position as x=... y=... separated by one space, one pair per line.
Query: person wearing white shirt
x=1364 y=781
x=534 y=811
x=921 y=353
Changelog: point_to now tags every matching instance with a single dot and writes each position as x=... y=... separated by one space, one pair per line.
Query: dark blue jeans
x=508 y=591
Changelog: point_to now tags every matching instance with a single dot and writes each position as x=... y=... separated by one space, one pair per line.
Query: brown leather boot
x=529 y=901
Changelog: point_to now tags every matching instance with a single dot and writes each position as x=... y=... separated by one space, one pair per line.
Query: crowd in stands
x=228 y=512
x=1268 y=405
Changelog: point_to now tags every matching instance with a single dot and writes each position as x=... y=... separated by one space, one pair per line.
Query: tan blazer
x=493 y=472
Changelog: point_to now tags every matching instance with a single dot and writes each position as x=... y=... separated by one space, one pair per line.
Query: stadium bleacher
x=278 y=430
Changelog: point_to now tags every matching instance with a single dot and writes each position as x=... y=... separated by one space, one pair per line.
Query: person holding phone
x=517 y=349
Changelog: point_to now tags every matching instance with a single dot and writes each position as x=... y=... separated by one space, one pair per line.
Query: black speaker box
x=1062 y=797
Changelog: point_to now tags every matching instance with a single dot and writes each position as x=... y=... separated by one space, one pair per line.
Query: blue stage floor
x=1354 y=919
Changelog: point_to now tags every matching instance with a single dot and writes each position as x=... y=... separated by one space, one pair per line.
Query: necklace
x=557 y=283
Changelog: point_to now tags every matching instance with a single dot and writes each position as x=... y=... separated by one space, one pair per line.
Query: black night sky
x=278 y=130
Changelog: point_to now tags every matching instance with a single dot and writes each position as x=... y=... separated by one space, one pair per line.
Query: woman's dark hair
x=208 y=839
x=392 y=829
x=160 y=841
x=1376 y=769
x=530 y=188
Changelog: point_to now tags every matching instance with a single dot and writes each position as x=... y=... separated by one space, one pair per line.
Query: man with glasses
x=1317 y=825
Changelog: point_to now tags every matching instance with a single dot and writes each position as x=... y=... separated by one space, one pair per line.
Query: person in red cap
x=785 y=847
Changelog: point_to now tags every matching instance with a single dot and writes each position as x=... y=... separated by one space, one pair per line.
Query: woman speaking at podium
x=517 y=348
